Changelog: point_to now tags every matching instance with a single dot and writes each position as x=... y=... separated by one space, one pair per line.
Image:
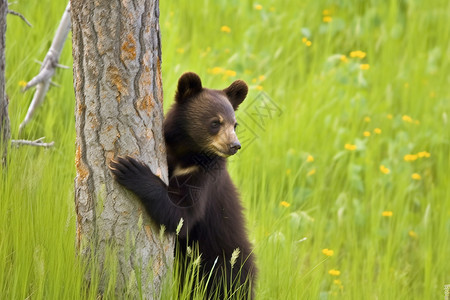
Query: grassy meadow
x=345 y=166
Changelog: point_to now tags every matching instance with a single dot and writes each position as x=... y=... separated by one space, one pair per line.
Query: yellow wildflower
x=387 y=213
x=216 y=70
x=366 y=133
x=326 y=12
x=344 y=58
x=416 y=176
x=22 y=83
x=337 y=282
x=410 y=157
x=258 y=7
x=230 y=73
x=225 y=29
x=259 y=87
x=423 y=154
x=389 y=116
x=367 y=119
x=328 y=252
x=285 y=204
x=407 y=119
x=334 y=272
x=272 y=9
x=327 y=19
x=306 y=41
x=288 y=172
x=377 y=131
x=350 y=147
x=310 y=158
x=180 y=50
x=358 y=54
x=312 y=172
x=384 y=170
x=412 y=234
x=261 y=77
x=364 y=66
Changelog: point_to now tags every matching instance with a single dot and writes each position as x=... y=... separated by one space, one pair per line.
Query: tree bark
x=4 y=117
x=118 y=89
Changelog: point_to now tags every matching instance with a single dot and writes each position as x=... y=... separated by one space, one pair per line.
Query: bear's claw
x=127 y=169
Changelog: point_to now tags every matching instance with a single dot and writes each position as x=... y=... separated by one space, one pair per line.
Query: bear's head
x=203 y=119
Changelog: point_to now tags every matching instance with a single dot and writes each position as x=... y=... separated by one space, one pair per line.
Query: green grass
x=320 y=102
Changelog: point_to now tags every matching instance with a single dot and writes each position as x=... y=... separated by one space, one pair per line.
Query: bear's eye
x=235 y=125
x=215 y=124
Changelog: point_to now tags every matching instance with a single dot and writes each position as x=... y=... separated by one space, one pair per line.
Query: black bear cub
x=199 y=132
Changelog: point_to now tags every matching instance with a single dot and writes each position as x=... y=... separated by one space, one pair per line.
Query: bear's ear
x=236 y=93
x=189 y=85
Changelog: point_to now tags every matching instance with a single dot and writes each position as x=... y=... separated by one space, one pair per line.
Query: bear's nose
x=234 y=147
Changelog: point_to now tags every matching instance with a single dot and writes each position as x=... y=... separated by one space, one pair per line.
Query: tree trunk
x=4 y=118
x=118 y=89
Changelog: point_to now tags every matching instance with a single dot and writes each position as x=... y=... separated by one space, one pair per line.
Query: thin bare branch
x=36 y=143
x=15 y=13
x=52 y=83
x=47 y=71
x=50 y=63
x=62 y=66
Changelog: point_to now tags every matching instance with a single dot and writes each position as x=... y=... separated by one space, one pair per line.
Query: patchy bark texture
x=118 y=89
x=4 y=117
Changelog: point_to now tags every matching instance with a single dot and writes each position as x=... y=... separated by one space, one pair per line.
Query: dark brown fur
x=199 y=134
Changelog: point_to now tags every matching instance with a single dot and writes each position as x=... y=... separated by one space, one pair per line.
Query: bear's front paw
x=129 y=172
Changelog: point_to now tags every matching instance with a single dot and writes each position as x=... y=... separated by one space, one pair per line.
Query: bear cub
x=199 y=132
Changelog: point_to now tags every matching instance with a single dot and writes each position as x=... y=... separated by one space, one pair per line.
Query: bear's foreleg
x=153 y=193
